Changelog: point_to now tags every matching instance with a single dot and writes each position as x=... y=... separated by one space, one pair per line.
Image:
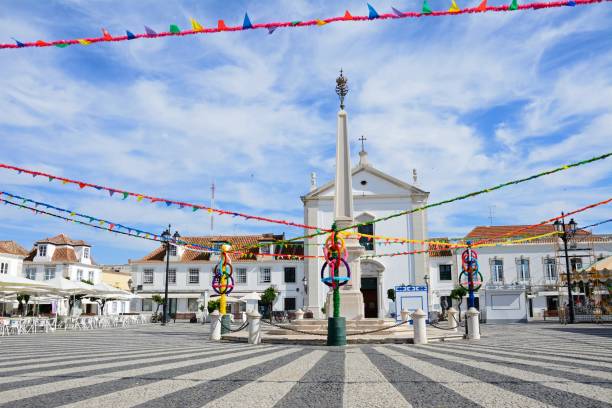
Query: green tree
x=159 y=300
x=268 y=298
x=213 y=305
x=23 y=300
x=458 y=294
x=391 y=294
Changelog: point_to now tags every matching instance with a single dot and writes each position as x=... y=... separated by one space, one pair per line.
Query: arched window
x=368 y=229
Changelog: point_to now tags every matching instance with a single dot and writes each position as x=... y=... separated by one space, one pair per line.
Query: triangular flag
x=174 y=29
x=72 y=214
x=571 y=3
x=195 y=209
x=51 y=178
x=397 y=12
x=19 y=43
x=426 y=9
x=513 y=5
x=371 y=12
x=130 y=35
x=111 y=192
x=110 y=227
x=168 y=203
x=139 y=198
x=246 y=24
x=125 y=195
x=294 y=23
x=347 y=15
x=84 y=42
x=321 y=22
x=82 y=185
x=42 y=43
x=454 y=8
x=106 y=34
x=149 y=30
x=195 y=25
x=62 y=45
x=221 y=25
x=271 y=29
x=482 y=6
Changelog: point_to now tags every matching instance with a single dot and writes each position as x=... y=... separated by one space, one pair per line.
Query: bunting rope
x=197 y=28
x=480 y=192
x=140 y=197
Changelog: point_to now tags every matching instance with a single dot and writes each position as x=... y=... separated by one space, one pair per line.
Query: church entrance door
x=370 y=297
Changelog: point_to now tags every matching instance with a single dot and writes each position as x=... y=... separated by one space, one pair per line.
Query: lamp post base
x=226 y=321
x=336 y=331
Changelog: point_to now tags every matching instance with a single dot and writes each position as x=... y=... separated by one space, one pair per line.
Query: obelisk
x=351 y=303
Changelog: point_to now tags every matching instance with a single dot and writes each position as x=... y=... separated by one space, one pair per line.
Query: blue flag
x=372 y=13
x=247 y=22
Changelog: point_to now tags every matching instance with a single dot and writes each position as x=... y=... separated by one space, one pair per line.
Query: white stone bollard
x=254 y=327
x=420 y=331
x=299 y=314
x=405 y=315
x=215 y=326
x=451 y=319
x=473 y=323
x=243 y=317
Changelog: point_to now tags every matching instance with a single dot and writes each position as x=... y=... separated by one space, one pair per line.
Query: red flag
x=347 y=15
x=221 y=25
x=106 y=35
x=482 y=6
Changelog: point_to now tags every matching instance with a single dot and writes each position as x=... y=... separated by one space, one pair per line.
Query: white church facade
x=375 y=194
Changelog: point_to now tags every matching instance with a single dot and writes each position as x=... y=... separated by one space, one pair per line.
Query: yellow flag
x=195 y=25
x=84 y=42
x=139 y=198
x=321 y=22
x=454 y=8
x=72 y=214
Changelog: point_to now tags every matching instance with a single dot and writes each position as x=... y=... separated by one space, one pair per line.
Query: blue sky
x=469 y=101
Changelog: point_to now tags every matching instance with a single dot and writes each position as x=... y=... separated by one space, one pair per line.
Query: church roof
x=374 y=171
x=62 y=239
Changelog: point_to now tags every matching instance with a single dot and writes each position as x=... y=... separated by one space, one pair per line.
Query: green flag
x=513 y=6
x=426 y=9
x=174 y=29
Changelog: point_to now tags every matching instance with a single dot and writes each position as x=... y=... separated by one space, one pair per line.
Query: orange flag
x=347 y=15
x=106 y=34
x=221 y=25
x=482 y=6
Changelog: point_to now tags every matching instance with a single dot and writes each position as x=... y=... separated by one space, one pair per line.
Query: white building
x=191 y=272
x=537 y=266
x=11 y=258
x=71 y=259
x=375 y=194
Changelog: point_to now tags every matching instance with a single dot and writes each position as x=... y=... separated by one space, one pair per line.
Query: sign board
x=410 y=298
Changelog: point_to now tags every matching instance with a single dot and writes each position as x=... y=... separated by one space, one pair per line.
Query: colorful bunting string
x=480 y=192
x=140 y=197
x=197 y=28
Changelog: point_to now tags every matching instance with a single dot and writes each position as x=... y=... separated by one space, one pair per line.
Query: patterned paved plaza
x=151 y=366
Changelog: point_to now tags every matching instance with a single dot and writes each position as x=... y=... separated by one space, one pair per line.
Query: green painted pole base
x=336 y=331
x=225 y=324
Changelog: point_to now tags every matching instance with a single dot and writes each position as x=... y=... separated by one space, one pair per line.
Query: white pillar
x=254 y=319
x=451 y=318
x=420 y=331
x=299 y=314
x=405 y=315
x=215 y=326
x=473 y=323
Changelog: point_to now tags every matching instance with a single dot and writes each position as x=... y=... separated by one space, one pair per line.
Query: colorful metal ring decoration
x=469 y=265
x=335 y=254
x=223 y=281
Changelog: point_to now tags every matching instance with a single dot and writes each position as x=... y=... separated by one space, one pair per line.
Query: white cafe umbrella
x=10 y=283
x=251 y=296
x=71 y=288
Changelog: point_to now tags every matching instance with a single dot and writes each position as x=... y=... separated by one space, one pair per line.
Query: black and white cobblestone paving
x=536 y=365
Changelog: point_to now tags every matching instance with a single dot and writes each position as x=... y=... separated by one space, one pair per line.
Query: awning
x=548 y=293
x=171 y=295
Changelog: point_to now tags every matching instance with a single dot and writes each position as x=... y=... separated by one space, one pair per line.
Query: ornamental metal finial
x=342 y=88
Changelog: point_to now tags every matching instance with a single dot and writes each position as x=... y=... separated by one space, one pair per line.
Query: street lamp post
x=167 y=238
x=566 y=232
x=426 y=279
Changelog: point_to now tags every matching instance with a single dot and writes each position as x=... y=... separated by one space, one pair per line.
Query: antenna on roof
x=212 y=205
x=491 y=215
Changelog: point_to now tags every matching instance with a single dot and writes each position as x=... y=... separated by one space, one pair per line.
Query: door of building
x=370 y=297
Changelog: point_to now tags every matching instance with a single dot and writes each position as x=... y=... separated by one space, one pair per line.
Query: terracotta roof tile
x=62 y=239
x=502 y=231
x=64 y=255
x=13 y=248
x=244 y=243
